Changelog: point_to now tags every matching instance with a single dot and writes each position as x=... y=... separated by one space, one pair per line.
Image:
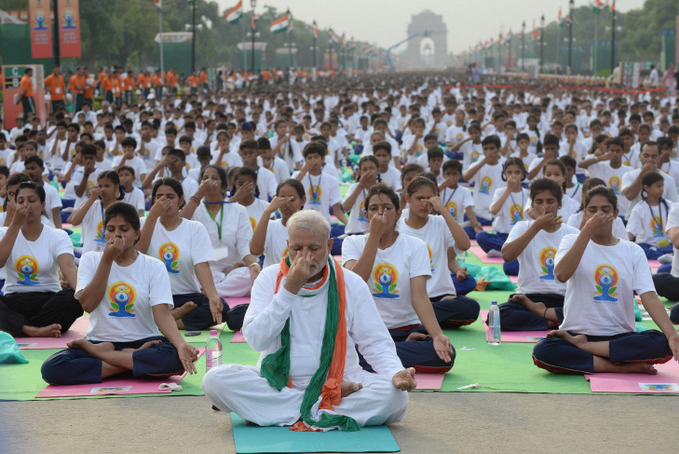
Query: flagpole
x=596 y=42
x=160 y=36
x=558 y=41
x=613 y=38
x=289 y=37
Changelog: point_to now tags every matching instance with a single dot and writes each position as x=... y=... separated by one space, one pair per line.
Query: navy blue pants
x=465 y=286
x=653 y=252
x=471 y=233
x=515 y=317
x=201 y=317
x=665 y=268
x=559 y=355
x=336 y=231
x=455 y=312
x=667 y=286
x=511 y=268
x=491 y=241
x=76 y=367
x=38 y=309
x=417 y=354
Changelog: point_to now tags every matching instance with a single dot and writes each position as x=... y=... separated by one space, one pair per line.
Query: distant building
x=430 y=48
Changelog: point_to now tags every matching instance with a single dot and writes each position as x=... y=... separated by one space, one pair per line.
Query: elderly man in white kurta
x=306 y=316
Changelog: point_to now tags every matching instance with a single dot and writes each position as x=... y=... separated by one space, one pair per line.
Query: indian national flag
x=158 y=3
x=280 y=25
x=598 y=5
x=315 y=29
x=235 y=13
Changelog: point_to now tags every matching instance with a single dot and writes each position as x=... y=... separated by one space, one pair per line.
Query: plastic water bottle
x=494 y=331
x=213 y=351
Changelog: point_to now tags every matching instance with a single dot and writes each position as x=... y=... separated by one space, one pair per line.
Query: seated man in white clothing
x=306 y=316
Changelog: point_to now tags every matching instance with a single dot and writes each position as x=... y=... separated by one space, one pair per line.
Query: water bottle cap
x=494 y=303
x=213 y=332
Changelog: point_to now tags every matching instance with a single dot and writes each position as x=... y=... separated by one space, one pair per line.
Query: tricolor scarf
x=326 y=381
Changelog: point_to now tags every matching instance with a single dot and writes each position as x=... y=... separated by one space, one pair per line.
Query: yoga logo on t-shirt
x=614 y=183
x=121 y=295
x=606 y=277
x=27 y=269
x=515 y=213
x=169 y=254
x=452 y=208
x=486 y=184
x=656 y=226
x=315 y=194
x=420 y=149
x=3 y=162
x=225 y=164
x=459 y=137
x=474 y=156
x=385 y=277
x=533 y=141
x=361 y=211
x=147 y=154
x=253 y=223
x=100 y=233
x=547 y=263
x=431 y=260
x=90 y=185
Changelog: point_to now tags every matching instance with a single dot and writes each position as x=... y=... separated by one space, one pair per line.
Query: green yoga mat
x=253 y=439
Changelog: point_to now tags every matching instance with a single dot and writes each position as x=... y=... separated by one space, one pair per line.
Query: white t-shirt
x=76 y=178
x=180 y=250
x=278 y=167
x=357 y=221
x=147 y=152
x=125 y=312
x=669 y=191
x=579 y=152
x=135 y=198
x=32 y=266
x=392 y=177
x=266 y=183
x=599 y=296
x=255 y=211
x=52 y=200
x=471 y=153
x=419 y=151
x=436 y=235
x=485 y=181
x=575 y=193
x=236 y=233
x=511 y=211
x=648 y=223
x=190 y=186
x=389 y=280
x=137 y=164
x=276 y=243
x=536 y=261
x=322 y=192
x=230 y=159
x=456 y=201
x=93 y=229
x=455 y=134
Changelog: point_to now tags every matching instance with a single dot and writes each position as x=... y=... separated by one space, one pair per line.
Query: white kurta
x=243 y=390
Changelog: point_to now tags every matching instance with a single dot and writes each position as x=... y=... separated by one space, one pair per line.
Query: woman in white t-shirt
x=91 y=213
x=34 y=303
x=538 y=301
x=602 y=272
x=354 y=201
x=184 y=247
x=127 y=295
x=244 y=183
x=270 y=237
x=229 y=228
x=396 y=268
x=441 y=233
x=578 y=220
x=644 y=224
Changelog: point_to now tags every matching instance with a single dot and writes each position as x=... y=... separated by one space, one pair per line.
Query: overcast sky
x=385 y=22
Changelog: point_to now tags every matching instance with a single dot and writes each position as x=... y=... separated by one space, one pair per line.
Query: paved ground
x=434 y=423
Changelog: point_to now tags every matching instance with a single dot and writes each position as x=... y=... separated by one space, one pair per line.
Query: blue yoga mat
x=253 y=439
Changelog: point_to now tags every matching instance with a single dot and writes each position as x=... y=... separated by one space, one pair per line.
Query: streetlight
x=253 y=4
x=542 y=42
x=314 y=41
x=523 y=46
x=570 y=33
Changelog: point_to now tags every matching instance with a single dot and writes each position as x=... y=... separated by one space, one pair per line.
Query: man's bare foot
x=53 y=330
x=89 y=347
x=575 y=340
x=416 y=337
x=536 y=308
x=149 y=344
x=640 y=368
x=183 y=310
x=349 y=387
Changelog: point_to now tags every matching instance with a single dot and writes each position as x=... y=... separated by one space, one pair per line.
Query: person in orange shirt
x=88 y=92
x=192 y=82
x=128 y=86
x=55 y=84
x=76 y=85
x=26 y=94
x=173 y=81
x=144 y=83
x=116 y=86
x=157 y=81
x=203 y=80
x=107 y=86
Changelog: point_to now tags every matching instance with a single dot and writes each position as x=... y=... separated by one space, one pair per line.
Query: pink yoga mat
x=113 y=387
x=237 y=338
x=480 y=253
x=232 y=302
x=525 y=337
x=429 y=381
x=77 y=331
x=666 y=382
